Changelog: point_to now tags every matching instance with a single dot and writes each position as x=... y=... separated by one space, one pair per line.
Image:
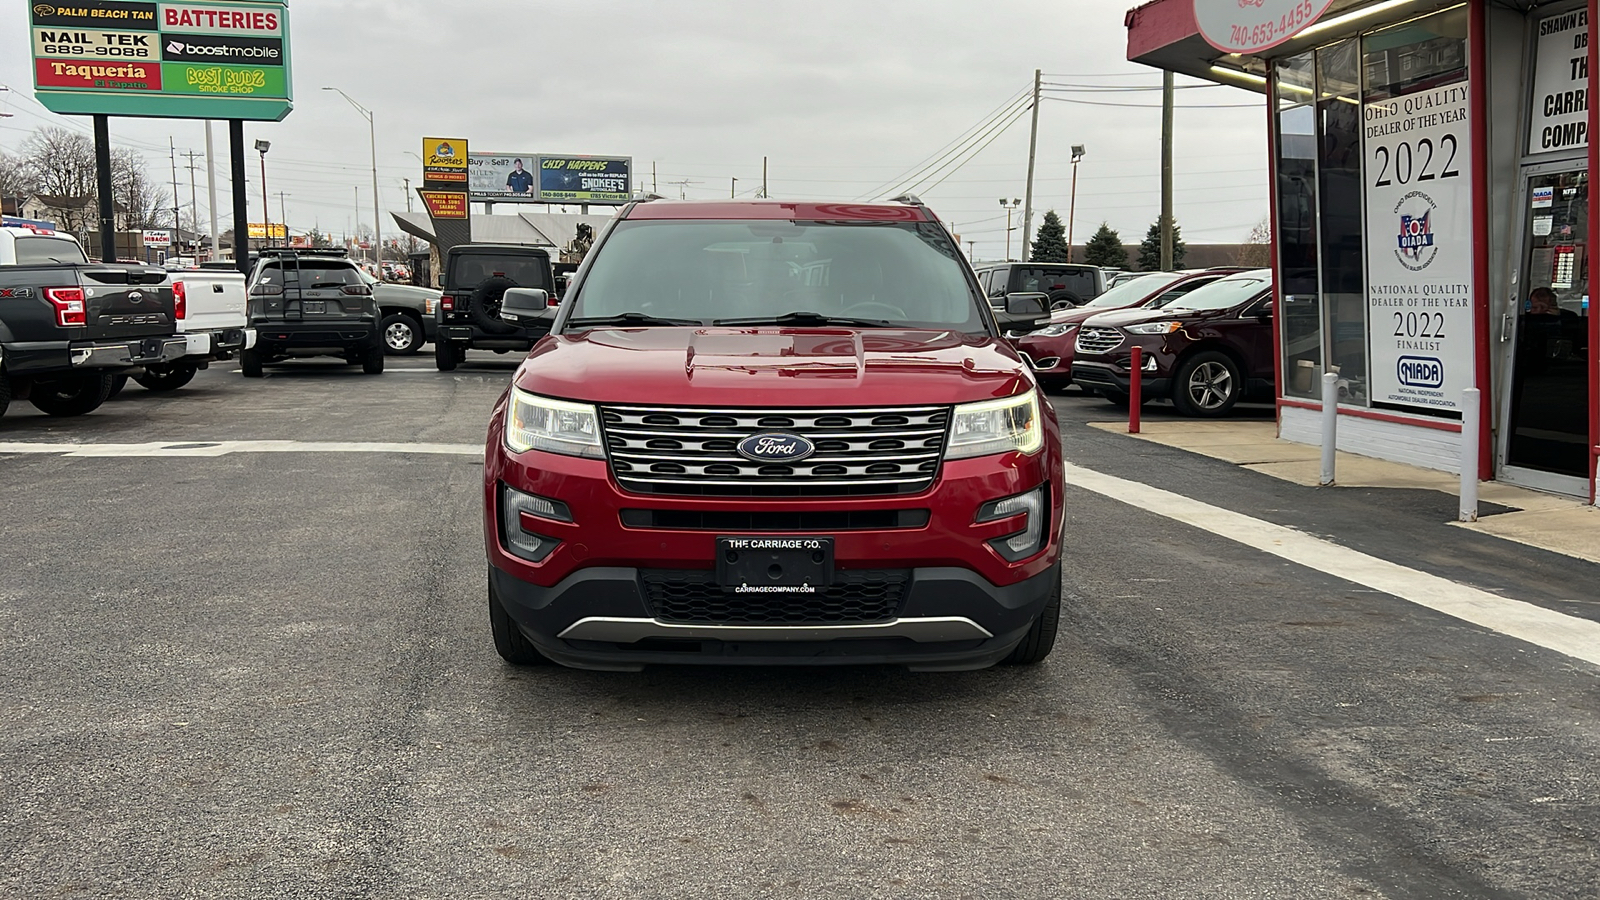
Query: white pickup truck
x=210 y=306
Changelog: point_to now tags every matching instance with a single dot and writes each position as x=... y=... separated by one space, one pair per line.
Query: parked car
x=475 y=278
x=409 y=315
x=311 y=303
x=70 y=327
x=210 y=309
x=1050 y=349
x=1066 y=284
x=1121 y=277
x=786 y=433
x=1206 y=351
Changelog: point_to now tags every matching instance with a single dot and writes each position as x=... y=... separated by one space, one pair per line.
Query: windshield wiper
x=627 y=318
x=805 y=318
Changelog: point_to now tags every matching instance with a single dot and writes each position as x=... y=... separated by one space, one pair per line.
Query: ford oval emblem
x=776 y=448
x=135 y=296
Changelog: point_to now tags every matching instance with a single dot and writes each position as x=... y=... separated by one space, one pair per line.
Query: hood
x=1117 y=318
x=773 y=367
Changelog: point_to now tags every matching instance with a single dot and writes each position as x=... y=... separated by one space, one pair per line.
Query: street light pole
x=372 y=136
x=1072 y=204
x=1009 y=206
x=266 y=213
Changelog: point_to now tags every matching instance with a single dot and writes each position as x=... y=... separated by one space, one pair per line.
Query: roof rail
x=909 y=199
x=645 y=197
x=305 y=251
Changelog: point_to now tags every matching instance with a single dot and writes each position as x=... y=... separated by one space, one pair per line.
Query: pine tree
x=1150 y=249
x=1105 y=249
x=1050 y=244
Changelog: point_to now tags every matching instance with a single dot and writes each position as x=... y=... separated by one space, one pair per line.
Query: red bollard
x=1135 y=389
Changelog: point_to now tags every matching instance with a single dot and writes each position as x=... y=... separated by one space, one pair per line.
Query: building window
x=1300 y=312
x=1341 y=235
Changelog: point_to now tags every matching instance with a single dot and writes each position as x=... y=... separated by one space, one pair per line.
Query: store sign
x=1418 y=165
x=445 y=204
x=262 y=230
x=585 y=179
x=157 y=239
x=444 y=160
x=1245 y=26
x=1559 y=115
x=503 y=177
x=225 y=60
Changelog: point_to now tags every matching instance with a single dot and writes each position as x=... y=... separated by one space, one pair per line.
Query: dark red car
x=1205 y=351
x=779 y=433
x=1051 y=348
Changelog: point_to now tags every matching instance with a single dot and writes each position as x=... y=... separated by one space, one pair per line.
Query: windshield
x=468 y=270
x=1224 y=292
x=886 y=274
x=37 y=251
x=1131 y=292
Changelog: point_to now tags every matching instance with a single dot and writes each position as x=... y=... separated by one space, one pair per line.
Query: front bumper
x=600 y=618
x=1109 y=377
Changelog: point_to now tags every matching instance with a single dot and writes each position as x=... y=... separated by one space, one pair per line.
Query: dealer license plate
x=775 y=564
x=315 y=306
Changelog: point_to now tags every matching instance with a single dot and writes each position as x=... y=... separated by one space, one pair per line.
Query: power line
x=970 y=148
x=1158 y=106
x=917 y=169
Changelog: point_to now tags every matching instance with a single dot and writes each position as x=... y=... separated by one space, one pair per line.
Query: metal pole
x=1008 y=233
x=1166 y=172
x=1471 y=421
x=1135 y=388
x=172 y=151
x=733 y=188
x=194 y=201
x=266 y=213
x=1330 y=426
x=211 y=191
x=1033 y=143
x=102 y=172
x=1072 y=207
x=763 y=178
x=241 y=212
x=283 y=213
x=377 y=231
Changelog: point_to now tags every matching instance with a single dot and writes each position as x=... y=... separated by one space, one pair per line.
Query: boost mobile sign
x=1420 y=328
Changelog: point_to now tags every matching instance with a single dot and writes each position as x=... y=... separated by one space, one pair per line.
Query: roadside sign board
x=260 y=230
x=161 y=239
x=444 y=161
x=189 y=60
x=445 y=204
x=503 y=177
x=585 y=179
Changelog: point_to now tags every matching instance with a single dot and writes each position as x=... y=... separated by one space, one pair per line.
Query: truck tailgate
x=126 y=301
x=212 y=301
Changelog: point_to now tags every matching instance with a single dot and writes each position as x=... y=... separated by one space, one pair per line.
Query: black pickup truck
x=69 y=327
x=475 y=278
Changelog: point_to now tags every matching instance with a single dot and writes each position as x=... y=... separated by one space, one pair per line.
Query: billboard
x=444 y=160
x=276 y=230
x=502 y=177
x=226 y=60
x=585 y=179
x=444 y=204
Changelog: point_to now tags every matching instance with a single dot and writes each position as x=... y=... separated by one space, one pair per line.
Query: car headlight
x=1153 y=328
x=996 y=426
x=556 y=426
x=1056 y=330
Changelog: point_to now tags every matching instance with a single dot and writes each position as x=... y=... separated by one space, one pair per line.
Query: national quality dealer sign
x=178 y=60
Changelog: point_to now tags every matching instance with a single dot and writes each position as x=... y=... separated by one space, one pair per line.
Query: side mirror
x=1024 y=311
x=1264 y=311
x=525 y=306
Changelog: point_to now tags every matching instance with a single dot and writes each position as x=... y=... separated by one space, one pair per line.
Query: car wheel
x=250 y=363
x=1041 y=636
x=512 y=645
x=73 y=395
x=5 y=393
x=1207 y=384
x=445 y=357
x=402 y=335
x=372 y=360
x=165 y=378
x=118 y=382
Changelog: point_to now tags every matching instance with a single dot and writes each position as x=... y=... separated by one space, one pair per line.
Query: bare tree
x=144 y=201
x=1256 y=251
x=16 y=180
x=61 y=164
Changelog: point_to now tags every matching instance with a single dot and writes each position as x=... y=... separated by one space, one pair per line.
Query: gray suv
x=1066 y=284
x=311 y=303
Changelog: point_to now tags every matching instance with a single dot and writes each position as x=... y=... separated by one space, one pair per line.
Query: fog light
x=1030 y=540
x=517 y=539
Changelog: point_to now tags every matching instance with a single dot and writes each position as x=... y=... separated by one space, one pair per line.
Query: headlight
x=1153 y=328
x=556 y=426
x=996 y=426
x=1056 y=330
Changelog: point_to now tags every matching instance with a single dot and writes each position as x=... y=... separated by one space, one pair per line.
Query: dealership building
x=1429 y=167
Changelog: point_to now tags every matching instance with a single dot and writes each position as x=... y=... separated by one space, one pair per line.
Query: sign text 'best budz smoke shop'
x=177 y=60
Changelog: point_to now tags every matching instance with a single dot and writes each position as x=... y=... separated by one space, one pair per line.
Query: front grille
x=656 y=450
x=856 y=596
x=807 y=520
x=1097 y=340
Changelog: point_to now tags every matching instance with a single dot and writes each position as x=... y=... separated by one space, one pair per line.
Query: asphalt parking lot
x=238 y=670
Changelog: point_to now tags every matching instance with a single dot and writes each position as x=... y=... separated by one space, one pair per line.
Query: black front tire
x=73 y=395
x=166 y=378
x=402 y=334
x=1041 y=636
x=445 y=356
x=509 y=641
x=372 y=361
x=250 y=363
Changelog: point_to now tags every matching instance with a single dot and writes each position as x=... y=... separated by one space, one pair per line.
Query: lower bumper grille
x=856 y=596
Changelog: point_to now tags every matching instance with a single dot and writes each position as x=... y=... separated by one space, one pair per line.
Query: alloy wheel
x=1210 y=385
x=399 y=336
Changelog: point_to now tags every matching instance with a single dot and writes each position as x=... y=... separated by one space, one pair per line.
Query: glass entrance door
x=1547 y=426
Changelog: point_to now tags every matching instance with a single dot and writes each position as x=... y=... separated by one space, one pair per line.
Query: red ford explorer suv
x=781 y=433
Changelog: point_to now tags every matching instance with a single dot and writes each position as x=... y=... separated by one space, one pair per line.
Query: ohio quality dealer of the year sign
x=175 y=60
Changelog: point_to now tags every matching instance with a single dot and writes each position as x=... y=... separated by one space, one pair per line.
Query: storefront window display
x=1300 y=310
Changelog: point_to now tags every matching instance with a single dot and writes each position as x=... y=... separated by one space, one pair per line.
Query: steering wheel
x=894 y=312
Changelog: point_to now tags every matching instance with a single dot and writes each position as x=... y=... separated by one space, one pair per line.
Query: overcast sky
x=844 y=98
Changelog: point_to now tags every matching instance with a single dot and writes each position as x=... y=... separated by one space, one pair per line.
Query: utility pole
x=1033 y=143
x=763 y=178
x=408 y=193
x=283 y=214
x=733 y=189
x=211 y=192
x=194 y=202
x=172 y=154
x=1166 y=171
x=652 y=177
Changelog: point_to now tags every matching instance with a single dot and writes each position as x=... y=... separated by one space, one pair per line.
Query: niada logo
x=778 y=448
x=1420 y=371
x=1414 y=245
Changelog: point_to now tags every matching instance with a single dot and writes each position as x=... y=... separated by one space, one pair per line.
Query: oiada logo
x=1420 y=371
x=776 y=448
x=1414 y=245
